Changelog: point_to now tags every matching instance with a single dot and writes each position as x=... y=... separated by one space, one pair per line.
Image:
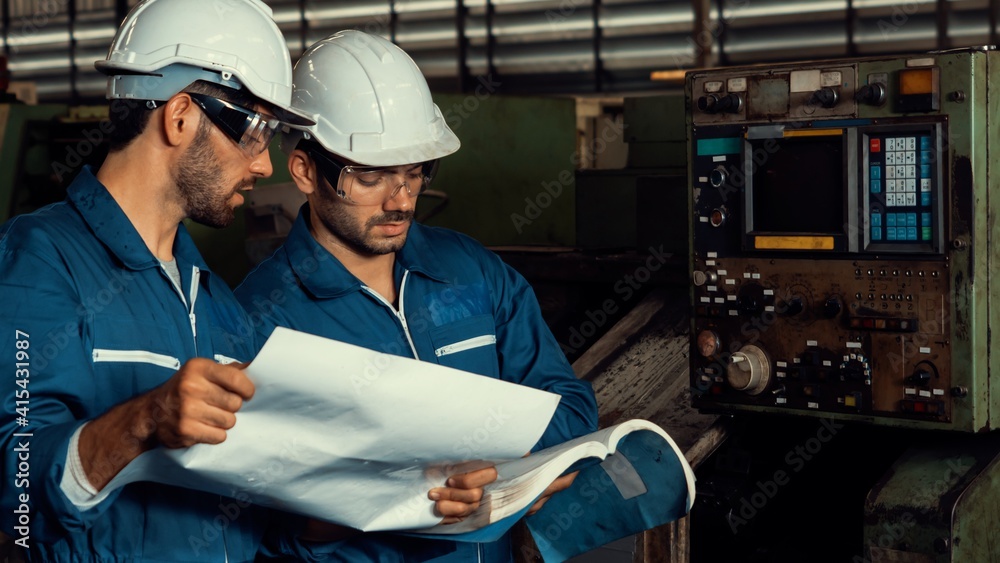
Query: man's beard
x=198 y=179
x=340 y=223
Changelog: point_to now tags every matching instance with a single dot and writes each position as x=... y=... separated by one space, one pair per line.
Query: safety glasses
x=251 y=130
x=372 y=185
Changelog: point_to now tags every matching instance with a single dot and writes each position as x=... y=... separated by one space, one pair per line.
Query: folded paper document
x=357 y=437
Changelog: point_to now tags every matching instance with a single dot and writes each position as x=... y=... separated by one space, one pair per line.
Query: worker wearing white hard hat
x=391 y=284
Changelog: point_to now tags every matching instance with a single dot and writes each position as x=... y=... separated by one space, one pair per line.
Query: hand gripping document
x=357 y=437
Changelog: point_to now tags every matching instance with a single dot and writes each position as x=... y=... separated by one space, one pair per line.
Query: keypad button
x=875 y=145
x=925 y=171
x=926 y=157
x=911 y=233
x=909 y=171
x=876 y=219
x=890 y=233
x=910 y=158
x=890 y=219
x=925 y=233
x=890 y=158
x=890 y=144
x=911 y=143
x=890 y=186
x=910 y=200
x=876 y=186
x=876 y=233
x=925 y=219
x=890 y=200
x=925 y=143
x=890 y=171
x=911 y=185
x=925 y=184
x=925 y=199
x=876 y=171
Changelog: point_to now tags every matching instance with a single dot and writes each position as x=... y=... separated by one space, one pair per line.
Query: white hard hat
x=370 y=103
x=165 y=45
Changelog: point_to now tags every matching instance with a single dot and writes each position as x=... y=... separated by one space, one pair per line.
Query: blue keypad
x=876 y=186
x=911 y=219
x=876 y=219
x=876 y=233
x=925 y=219
x=925 y=199
x=890 y=233
x=925 y=143
x=890 y=219
x=925 y=170
x=926 y=157
x=876 y=172
x=911 y=233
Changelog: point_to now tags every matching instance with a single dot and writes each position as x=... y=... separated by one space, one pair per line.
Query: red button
x=919 y=407
x=875 y=144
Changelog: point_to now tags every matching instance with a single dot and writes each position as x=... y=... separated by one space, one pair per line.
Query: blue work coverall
x=99 y=322
x=459 y=306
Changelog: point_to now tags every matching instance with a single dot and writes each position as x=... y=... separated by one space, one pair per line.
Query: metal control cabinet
x=841 y=227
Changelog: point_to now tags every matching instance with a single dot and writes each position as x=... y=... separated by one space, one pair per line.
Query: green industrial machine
x=843 y=226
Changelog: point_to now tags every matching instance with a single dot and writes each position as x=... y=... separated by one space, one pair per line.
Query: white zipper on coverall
x=401 y=313
x=193 y=293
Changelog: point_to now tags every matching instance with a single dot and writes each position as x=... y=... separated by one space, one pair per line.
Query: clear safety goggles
x=251 y=130
x=372 y=185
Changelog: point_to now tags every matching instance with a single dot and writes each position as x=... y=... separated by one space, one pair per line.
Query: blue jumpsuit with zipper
x=99 y=322
x=459 y=305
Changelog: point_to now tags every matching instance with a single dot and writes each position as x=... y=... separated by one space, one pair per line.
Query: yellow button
x=849 y=401
x=916 y=81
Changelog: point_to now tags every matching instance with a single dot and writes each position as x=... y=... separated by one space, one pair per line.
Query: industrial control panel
x=843 y=239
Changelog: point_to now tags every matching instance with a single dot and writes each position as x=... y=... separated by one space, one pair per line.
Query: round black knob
x=714 y=103
x=826 y=97
x=832 y=307
x=872 y=94
x=732 y=103
x=960 y=392
x=709 y=103
x=750 y=301
x=919 y=377
x=793 y=307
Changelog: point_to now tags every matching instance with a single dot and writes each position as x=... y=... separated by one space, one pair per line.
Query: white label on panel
x=709 y=262
x=737 y=84
x=925 y=393
x=722 y=272
x=730 y=282
x=812 y=343
x=713 y=86
x=832 y=78
x=938 y=392
x=803 y=80
x=719 y=158
x=703 y=219
x=925 y=350
x=854 y=345
x=703 y=179
x=711 y=254
x=812 y=405
x=768 y=292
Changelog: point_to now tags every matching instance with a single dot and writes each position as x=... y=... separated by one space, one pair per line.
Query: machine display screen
x=798 y=185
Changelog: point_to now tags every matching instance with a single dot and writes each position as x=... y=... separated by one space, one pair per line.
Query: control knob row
x=720 y=103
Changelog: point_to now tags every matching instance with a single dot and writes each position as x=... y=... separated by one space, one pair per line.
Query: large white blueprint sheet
x=353 y=436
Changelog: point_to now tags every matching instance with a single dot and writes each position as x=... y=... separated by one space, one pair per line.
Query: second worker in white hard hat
x=357 y=268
